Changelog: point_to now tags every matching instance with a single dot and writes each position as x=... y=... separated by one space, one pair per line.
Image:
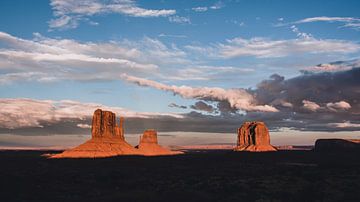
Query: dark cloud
x=177 y=106
x=202 y=106
x=321 y=88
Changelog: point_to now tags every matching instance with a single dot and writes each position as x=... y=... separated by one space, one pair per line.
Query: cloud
x=200 y=9
x=266 y=48
x=202 y=106
x=177 y=106
x=172 y=35
x=180 y=19
x=260 y=47
x=312 y=106
x=346 y=124
x=48 y=59
x=82 y=125
x=337 y=106
x=327 y=19
x=237 y=98
x=236 y=22
x=332 y=67
x=313 y=91
x=203 y=72
x=21 y=112
x=69 y=13
x=332 y=97
x=350 y=22
x=215 y=6
x=300 y=34
x=44 y=59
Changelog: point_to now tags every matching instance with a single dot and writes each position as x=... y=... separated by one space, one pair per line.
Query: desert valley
x=178 y=100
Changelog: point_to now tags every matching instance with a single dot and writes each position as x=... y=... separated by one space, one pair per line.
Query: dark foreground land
x=195 y=176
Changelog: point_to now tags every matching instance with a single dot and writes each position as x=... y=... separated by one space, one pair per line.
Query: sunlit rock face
x=333 y=145
x=149 y=146
x=108 y=140
x=254 y=137
x=104 y=125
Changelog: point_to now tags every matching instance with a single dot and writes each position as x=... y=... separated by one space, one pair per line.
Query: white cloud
x=82 y=125
x=338 y=106
x=203 y=72
x=48 y=59
x=17 y=113
x=346 y=124
x=309 y=105
x=215 y=6
x=348 y=21
x=237 y=98
x=266 y=48
x=300 y=34
x=200 y=9
x=327 y=19
x=69 y=13
x=179 y=19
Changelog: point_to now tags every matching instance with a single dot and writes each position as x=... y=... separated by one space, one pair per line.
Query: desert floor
x=194 y=176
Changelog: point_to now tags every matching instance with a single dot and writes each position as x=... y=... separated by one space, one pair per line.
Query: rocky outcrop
x=254 y=137
x=104 y=125
x=148 y=145
x=108 y=140
x=333 y=145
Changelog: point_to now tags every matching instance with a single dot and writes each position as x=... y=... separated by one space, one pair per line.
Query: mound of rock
x=108 y=140
x=254 y=137
x=149 y=146
x=333 y=145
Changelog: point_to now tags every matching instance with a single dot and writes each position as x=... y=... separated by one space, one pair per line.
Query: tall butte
x=107 y=140
x=254 y=137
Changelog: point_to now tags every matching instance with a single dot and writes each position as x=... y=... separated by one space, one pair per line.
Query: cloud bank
x=325 y=101
x=21 y=112
x=47 y=59
x=237 y=98
x=321 y=101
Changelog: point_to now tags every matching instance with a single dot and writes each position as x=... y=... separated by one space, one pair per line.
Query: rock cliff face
x=254 y=137
x=108 y=140
x=104 y=125
x=149 y=146
x=333 y=145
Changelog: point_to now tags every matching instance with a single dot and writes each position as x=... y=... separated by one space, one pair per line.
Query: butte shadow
x=108 y=140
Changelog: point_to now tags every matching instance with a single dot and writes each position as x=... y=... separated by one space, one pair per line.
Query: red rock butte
x=149 y=146
x=108 y=140
x=254 y=137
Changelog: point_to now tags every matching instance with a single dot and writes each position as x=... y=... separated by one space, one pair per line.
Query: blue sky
x=136 y=55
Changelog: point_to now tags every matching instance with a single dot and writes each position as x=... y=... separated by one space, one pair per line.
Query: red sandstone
x=108 y=140
x=254 y=137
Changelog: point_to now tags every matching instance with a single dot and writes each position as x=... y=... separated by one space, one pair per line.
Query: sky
x=197 y=67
